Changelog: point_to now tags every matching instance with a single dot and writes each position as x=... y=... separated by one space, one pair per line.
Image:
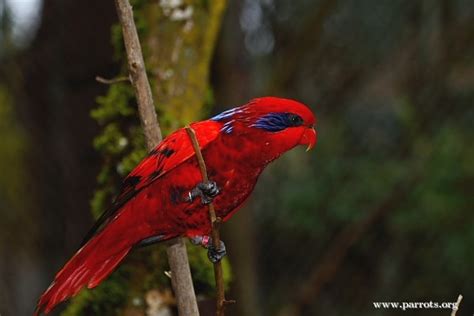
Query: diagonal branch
x=330 y=263
x=221 y=302
x=177 y=255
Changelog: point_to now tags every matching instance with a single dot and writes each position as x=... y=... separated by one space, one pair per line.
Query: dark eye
x=294 y=120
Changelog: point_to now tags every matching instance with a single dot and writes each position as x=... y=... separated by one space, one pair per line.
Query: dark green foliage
x=14 y=143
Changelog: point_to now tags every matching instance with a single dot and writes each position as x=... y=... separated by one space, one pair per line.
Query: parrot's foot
x=214 y=254
x=206 y=190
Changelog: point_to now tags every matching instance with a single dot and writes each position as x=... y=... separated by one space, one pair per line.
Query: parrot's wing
x=170 y=153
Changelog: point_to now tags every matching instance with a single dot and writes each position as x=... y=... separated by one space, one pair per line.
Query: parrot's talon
x=206 y=190
x=214 y=254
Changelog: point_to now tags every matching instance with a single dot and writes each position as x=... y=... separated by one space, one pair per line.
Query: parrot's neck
x=254 y=151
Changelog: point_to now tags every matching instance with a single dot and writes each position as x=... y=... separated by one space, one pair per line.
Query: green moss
x=115 y=104
x=179 y=62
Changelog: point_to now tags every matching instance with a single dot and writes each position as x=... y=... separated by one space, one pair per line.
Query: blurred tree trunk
x=179 y=44
x=52 y=90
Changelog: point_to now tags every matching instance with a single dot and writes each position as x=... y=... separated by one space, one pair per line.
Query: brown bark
x=181 y=278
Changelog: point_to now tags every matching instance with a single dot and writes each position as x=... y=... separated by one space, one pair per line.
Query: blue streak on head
x=273 y=122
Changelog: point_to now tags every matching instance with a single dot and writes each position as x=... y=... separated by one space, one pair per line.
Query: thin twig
x=221 y=302
x=456 y=307
x=177 y=255
x=111 y=81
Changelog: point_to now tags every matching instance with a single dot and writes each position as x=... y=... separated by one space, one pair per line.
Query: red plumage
x=236 y=145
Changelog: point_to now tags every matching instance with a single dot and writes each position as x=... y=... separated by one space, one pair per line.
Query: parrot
x=164 y=197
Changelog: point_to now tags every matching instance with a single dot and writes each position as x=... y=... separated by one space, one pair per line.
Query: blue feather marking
x=228 y=128
x=275 y=122
x=272 y=122
x=226 y=114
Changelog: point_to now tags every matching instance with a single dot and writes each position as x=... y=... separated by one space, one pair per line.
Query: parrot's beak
x=309 y=138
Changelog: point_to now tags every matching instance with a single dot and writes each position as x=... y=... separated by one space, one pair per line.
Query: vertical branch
x=178 y=258
x=215 y=221
x=138 y=75
x=181 y=278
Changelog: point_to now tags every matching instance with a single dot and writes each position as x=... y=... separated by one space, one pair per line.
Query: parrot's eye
x=294 y=120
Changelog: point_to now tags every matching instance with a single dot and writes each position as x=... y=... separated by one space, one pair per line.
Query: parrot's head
x=274 y=124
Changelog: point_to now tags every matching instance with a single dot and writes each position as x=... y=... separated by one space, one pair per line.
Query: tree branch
x=138 y=75
x=111 y=81
x=177 y=254
x=456 y=307
x=221 y=302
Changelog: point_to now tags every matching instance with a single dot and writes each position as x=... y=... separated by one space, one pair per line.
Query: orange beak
x=309 y=138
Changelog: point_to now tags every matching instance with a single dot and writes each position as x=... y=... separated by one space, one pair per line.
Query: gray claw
x=206 y=190
x=216 y=255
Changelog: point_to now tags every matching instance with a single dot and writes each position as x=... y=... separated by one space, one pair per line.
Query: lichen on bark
x=179 y=48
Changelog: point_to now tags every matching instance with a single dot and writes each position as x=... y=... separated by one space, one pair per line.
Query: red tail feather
x=88 y=267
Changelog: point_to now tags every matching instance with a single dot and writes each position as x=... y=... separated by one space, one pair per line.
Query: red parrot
x=164 y=196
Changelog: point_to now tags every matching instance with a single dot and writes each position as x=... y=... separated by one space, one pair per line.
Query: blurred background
x=381 y=210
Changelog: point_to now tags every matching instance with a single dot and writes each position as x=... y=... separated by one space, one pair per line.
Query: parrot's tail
x=88 y=267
